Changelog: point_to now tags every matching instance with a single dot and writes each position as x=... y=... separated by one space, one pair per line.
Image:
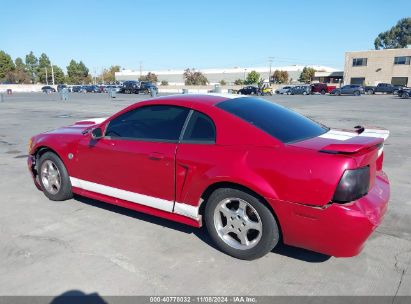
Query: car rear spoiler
x=365 y=139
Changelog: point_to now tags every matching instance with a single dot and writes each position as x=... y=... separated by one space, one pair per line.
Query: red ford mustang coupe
x=252 y=171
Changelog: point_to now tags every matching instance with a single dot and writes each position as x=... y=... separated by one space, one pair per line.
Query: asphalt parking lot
x=48 y=248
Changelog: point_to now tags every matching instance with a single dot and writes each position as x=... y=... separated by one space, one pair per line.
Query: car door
x=135 y=160
x=346 y=89
x=196 y=154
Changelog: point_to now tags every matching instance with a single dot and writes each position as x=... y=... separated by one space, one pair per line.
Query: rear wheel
x=54 y=179
x=370 y=92
x=405 y=95
x=357 y=93
x=240 y=224
x=322 y=92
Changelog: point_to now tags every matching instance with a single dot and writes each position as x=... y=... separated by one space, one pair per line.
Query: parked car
x=299 y=90
x=266 y=90
x=146 y=87
x=350 y=89
x=404 y=93
x=130 y=87
x=386 y=88
x=321 y=88
x=249 y=90
x=254 y=184
x=91 y=89
x=60 y=87
x=283 y=90
x=76 y=88
x=48 y=89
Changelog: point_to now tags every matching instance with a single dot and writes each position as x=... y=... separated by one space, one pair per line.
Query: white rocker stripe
x=150 y=201
x=133 y=197
x=186 y=210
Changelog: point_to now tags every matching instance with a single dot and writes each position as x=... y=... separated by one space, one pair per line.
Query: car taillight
x=353 y=185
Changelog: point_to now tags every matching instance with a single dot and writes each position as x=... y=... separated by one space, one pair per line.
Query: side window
x=150 y=123
x=200 y=129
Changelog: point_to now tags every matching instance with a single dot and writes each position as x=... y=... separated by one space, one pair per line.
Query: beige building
x=376 y=66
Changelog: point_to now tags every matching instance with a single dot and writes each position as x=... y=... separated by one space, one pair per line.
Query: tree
x=109 y=75
x=44 y=64
x=193 y=77
x=77 y=73
x=59 y=77
x=164 y=82
x=223 y=82
x=19 y=63
x=151 y=77
x=306 y=75
x=20 y=74
x=252 y=78
x=32 y=65
x=280 y=76
x=399 y=36
x=6 y=67
x=239 y=82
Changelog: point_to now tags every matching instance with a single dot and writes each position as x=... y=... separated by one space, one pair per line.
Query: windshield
x=279 y=122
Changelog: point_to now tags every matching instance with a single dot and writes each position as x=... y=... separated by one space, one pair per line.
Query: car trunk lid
x=364 y=145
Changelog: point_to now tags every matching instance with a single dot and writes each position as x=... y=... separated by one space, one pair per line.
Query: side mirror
x=97 y=133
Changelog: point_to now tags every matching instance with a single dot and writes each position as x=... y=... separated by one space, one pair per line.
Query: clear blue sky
x=188 y=33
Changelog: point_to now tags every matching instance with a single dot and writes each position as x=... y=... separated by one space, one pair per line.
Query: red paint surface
x=296 y=179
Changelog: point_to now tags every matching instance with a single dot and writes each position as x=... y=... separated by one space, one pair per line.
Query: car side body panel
x=169 y=180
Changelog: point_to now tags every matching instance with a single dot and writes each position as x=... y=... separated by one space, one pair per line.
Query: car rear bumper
x=337 y=229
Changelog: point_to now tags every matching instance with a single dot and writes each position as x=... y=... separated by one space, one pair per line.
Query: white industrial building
x=214 y=76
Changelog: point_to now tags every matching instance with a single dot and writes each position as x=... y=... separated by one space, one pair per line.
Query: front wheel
x=357 y=93
x=240 y=224
x=54 y=179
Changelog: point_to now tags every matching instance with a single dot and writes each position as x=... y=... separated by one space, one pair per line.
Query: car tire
x=405 y=95
x=395 y=92
x=370 y=92
x=54 y=178
x=322 y=92
x=226 y=230
x=357 y=93
x=304 y=93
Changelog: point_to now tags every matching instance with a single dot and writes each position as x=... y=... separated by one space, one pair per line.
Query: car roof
x=194 y=99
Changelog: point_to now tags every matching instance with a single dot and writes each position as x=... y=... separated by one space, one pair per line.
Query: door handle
x=156 y=156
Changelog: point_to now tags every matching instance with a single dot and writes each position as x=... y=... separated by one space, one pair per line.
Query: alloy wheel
x=237 y=223
x=50 y=177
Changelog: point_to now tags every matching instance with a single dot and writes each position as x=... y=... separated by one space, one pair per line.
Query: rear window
x=279 y=122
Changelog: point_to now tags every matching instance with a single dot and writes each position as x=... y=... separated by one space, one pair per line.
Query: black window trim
x=355 y=60
x=198 y=142
x=150 y=139
x=407 y=59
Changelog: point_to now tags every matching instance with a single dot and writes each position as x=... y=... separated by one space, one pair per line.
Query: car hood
x=79 y=127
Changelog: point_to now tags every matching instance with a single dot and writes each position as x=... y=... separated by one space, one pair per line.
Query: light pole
x=270 y=60
x=52 y=74
x=47 y=78
x=245 y=70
